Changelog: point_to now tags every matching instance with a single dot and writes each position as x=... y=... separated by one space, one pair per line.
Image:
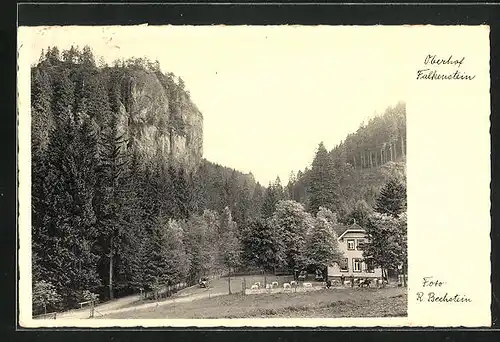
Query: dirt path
x=101 y=308
x=171 y=301
x=122 y=304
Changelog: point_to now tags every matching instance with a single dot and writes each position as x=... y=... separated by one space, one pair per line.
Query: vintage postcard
x=333 y=176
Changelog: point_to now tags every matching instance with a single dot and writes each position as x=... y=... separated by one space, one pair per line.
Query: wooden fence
x=280 y=272
x=165 y=292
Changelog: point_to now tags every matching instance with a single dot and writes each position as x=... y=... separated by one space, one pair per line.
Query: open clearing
x=214 y=302
x=345 y=302
x=217 y=287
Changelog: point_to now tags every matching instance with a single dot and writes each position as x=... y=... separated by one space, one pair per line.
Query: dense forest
x=355 y=169
x=112 y=217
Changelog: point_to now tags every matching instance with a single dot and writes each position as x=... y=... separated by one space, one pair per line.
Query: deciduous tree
x=322 y=246
x=45 y=295
x=386 y=246
x=229 y=245
x=292 y=223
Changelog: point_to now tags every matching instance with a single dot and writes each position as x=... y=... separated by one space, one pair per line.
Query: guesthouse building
x=350 y=241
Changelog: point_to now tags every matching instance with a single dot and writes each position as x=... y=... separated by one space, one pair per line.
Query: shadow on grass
x=395 y=306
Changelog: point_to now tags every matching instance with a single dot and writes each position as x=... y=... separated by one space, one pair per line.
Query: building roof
x=355 y=226
x=341 y=230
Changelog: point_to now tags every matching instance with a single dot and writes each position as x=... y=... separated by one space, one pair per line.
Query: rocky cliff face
x=155 y=113
x=160 y=120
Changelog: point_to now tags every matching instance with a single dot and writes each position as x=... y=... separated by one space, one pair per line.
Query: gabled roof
x=351 y=231
x=354 y=228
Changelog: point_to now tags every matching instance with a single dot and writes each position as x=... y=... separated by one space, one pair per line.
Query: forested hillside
x=356 y=168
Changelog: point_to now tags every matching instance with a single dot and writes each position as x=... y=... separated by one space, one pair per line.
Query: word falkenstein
x=433 y=74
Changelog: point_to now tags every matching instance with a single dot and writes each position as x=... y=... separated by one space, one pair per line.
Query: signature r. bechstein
x=436 y=62
x=434 y=297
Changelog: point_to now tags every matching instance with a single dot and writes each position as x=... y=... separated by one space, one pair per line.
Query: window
x=344 y=265
x=356 y=265
x=350 y=244
x=369 y=267
x=359 y=244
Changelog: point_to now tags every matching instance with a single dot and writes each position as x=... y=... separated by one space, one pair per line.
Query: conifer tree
x=211 y=233
x=392 y=198
x=272 y=195
x=292 y=181
x=179 y=263
x=165 y=262
x=64 y=99
x=41 y=127
x=194 y=243
x=87 y=57
x=69 y=221
x=181 y=194
x=200 y=194
x=269 y=201
x=97 y=101
x=139 y=262
x=243 y=201
x=52 y=56
x=41 y=114
x=170 y=195
x=114 y=195
x=157 y=263
x=323 y=182
x=261 y=246
x=278 y=189
x=71 y=56
x=360 y=214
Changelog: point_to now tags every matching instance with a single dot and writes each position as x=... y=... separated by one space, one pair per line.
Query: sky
x=269 y=94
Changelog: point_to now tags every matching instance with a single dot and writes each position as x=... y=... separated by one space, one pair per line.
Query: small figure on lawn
x=364 y=282
x=328 y=283
x=342 y=280
x=352 y=280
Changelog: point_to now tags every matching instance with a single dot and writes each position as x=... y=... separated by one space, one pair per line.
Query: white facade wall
x=348 y=244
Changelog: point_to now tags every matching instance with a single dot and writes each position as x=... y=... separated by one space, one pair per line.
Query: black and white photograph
x=183 y=172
